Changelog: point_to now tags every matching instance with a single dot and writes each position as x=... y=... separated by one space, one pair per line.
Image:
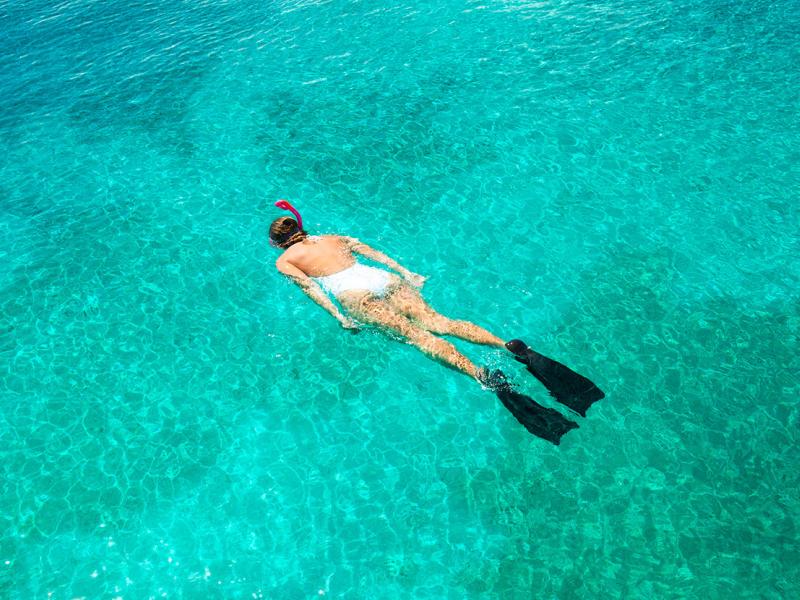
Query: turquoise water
x=616 y=182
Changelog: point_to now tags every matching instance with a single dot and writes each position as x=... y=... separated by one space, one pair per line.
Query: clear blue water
x=617 y=182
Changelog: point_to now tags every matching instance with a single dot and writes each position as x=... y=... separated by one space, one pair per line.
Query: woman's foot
x=490 y=379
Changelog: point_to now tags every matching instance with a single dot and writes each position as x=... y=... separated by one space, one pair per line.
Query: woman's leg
x=380 y=312
x=407 y=301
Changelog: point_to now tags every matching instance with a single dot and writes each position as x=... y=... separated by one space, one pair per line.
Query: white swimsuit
x=356 y=277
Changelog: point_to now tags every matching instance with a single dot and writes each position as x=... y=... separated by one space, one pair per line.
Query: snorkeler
x=392 y=302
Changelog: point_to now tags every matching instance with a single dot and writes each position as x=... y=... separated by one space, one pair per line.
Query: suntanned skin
x=402 y=310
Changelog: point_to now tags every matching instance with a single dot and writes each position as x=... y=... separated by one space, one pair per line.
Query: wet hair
x=285 y=231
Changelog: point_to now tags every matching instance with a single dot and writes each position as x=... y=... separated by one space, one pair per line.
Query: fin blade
x=565 y=385
x=543 y=422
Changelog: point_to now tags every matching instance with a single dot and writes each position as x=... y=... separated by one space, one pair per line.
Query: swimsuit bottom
x=356 y=277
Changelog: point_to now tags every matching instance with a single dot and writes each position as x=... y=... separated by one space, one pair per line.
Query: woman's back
x=318 y=256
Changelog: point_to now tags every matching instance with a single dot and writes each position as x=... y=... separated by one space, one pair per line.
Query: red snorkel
x=283 y=204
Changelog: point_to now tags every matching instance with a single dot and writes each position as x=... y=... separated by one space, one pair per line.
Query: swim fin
x=543 y=422
x=564 y=384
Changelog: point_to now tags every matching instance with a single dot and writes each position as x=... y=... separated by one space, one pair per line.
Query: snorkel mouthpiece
x=283 y=204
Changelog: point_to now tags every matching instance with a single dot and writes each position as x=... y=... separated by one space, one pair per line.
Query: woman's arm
x=360 y=247
x=310 y=287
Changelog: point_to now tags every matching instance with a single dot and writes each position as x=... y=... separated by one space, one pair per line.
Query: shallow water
x=615 y=182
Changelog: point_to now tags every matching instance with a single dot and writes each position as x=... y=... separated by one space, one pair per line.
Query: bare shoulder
x=346 y=240
x=287 y=257
x=287 y=267
x=340 y=240
x=333 y=237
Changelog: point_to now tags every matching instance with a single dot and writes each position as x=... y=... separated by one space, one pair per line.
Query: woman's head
x=285 y=231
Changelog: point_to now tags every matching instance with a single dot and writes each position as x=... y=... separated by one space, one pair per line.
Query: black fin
x=543 y=422
x=565 y=385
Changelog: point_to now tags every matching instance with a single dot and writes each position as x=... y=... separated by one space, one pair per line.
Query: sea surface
x=616 y=182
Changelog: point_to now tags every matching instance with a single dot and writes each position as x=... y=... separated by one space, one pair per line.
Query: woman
x=391 y=300
x=329 y=263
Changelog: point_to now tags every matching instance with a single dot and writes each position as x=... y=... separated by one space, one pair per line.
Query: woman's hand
x=350 y=324
x=416 y=280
